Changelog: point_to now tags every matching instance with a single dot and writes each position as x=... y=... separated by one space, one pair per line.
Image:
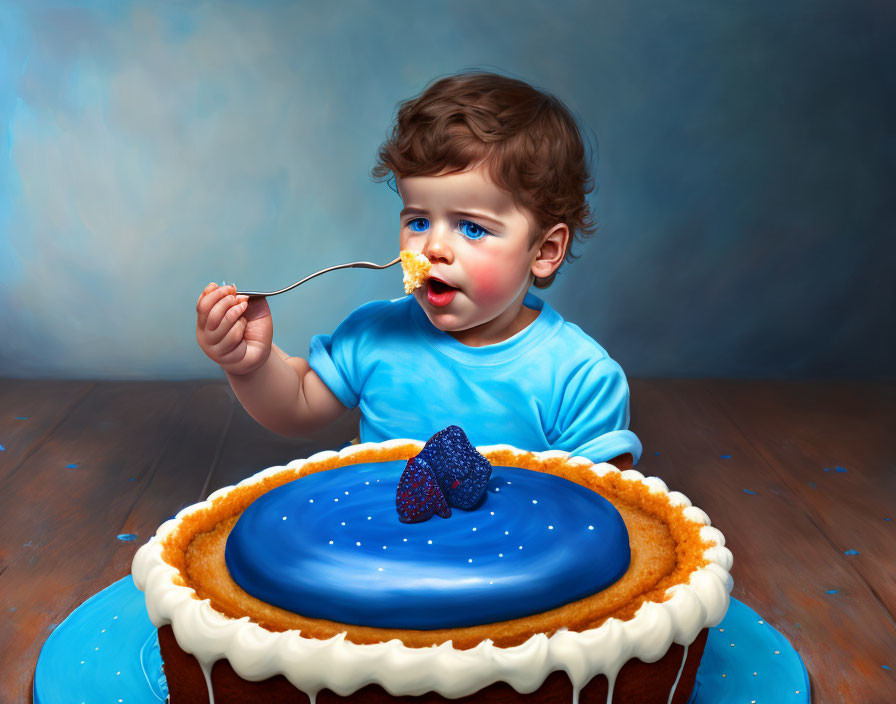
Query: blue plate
x=747 y=660
x=107 y=651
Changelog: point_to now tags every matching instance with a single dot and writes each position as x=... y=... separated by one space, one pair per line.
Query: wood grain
x=752 y=454
x=719 y=440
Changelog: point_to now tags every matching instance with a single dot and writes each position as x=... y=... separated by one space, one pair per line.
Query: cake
x=415 y=267
x=564 y=581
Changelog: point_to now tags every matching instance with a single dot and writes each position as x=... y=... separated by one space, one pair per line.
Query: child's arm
x=282 y=393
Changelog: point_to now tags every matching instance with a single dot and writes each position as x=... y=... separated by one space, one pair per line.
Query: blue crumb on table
x=726 y=457
x=851 y=552
x=127 y=537
x=71 y=466
x=747 y=491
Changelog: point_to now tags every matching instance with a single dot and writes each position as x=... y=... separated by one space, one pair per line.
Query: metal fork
x=350 y=265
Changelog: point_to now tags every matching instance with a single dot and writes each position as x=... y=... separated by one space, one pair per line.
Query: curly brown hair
x=527 y=138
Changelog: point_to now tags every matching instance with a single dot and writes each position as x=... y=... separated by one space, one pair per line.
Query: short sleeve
x=593 y=417
x=338 y=359
x=322 y=360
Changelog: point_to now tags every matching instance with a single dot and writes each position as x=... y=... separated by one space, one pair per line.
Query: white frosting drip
x=678 y=676
x=207 y=674
x=344 y=667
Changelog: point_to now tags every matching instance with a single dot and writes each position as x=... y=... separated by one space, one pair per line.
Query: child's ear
x=549 y=254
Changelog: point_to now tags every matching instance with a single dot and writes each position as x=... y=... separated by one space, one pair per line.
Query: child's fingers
x=205 y=292
x=208 y=289
x=232 y=340
x=232 y=318
x=217 y=315
x=209 y=298
x=231 y=329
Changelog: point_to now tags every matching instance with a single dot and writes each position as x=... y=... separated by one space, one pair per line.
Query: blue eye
x=419 y=224
x=471 y=230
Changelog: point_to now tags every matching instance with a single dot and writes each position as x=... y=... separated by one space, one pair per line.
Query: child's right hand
x=233 y=331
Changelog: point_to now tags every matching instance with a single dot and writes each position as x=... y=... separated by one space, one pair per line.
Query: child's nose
x=437 y=247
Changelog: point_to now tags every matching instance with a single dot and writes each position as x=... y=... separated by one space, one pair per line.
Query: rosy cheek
x=488 y=283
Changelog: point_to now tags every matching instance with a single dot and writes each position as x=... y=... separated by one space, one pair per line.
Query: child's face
x=482 y=257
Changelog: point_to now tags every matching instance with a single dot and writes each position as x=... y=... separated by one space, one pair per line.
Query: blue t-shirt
x=549 y=387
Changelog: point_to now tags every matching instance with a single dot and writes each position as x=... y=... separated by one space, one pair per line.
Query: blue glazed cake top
x=330 y=545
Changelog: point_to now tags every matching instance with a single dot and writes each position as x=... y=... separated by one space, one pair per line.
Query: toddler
x=492 y=175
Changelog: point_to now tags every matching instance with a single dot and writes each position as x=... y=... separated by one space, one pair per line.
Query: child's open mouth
x=438 y=293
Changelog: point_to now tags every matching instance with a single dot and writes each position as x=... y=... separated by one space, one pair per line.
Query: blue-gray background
x=745 y=168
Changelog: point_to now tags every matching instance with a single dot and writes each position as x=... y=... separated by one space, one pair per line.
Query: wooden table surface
x=799 y=476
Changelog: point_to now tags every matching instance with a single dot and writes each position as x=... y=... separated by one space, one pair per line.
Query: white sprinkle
x=550 y=527
x=404 y=540
x=82 y=662
x=96 y=648
x=590 y=527
x=497 y=488
x=114 y=617
x=500 y=554
x=103 y=631
x=379 y=569
x=343 y=523
x=335 y=499
x=331 y=542
x=310 y=501
x=384 y=547
x=118 y=673
x=358 y=543
x=346 y=493
x=492 y=513
x=491 y=582
x=508 y=482
x=284 y=518
x=429 y=542
x=470 y=560
x=760 y=621
x=534 y=501
x=521 y=547
x=506 y=532
x=474 y=528
x=777 y=652
x=369 y=517
x=721 y=630
x=732 y=645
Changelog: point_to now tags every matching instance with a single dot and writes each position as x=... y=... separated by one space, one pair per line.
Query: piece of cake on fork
x=416 y=268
